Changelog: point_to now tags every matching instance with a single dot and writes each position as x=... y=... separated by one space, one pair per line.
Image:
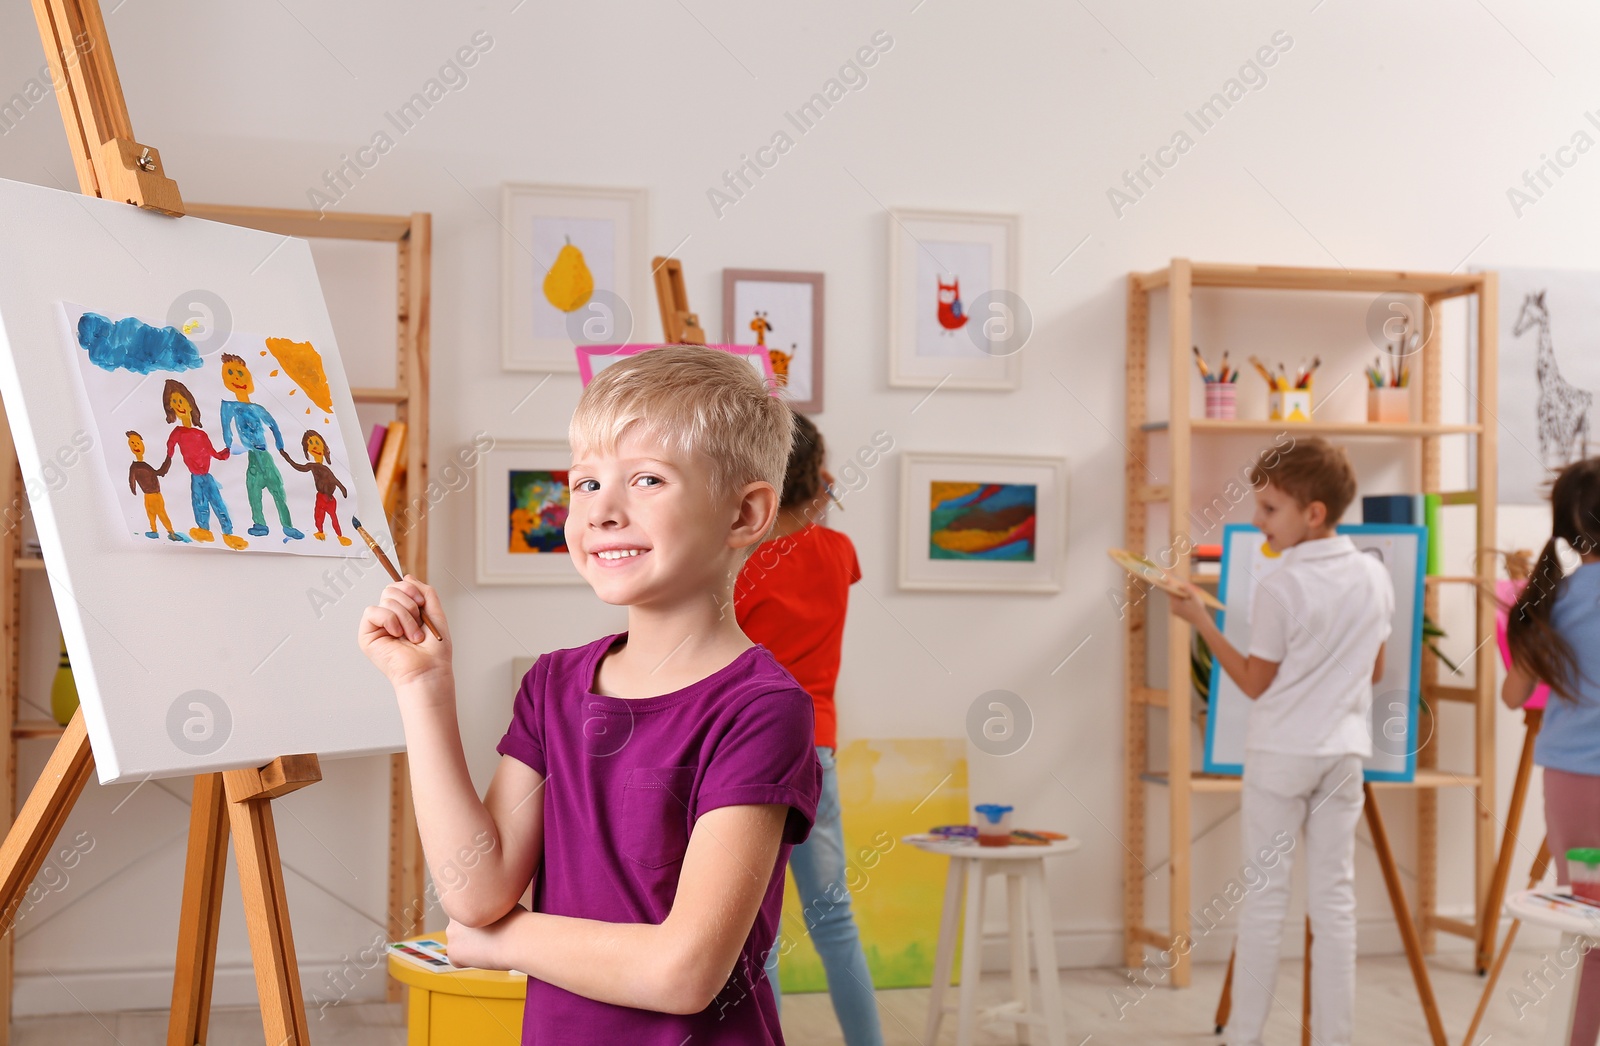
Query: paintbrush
x=377 y=550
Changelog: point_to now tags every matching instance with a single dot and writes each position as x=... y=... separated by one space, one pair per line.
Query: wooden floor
x=1386 y=1012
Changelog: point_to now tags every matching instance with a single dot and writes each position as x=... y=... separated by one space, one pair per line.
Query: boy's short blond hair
x=1310 y=469
x=697 y=401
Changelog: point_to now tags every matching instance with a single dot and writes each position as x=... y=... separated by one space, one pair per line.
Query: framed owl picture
x=781 y=312
x=956 y=319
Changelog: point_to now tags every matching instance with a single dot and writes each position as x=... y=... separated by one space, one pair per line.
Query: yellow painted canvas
x=887 y=789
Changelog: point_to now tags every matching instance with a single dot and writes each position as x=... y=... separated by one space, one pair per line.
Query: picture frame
x=953 y=275
x=601 y=283
x=791 y=309
x=592 y=359
x=964 y=519
x=509 y=481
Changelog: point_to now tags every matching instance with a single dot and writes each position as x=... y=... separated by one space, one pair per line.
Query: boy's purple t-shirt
x=625 y=781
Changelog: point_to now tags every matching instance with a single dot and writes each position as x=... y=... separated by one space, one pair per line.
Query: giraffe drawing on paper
x=1563 y=408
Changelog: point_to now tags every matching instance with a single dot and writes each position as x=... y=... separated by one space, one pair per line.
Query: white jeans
x=1320 y=795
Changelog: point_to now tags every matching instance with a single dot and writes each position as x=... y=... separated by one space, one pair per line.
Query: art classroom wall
x=1055 y=111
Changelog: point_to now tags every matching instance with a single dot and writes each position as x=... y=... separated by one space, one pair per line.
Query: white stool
x=1023 y=866
x=1574 y=928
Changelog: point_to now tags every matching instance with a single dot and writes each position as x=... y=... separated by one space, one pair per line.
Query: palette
x=1149 y=571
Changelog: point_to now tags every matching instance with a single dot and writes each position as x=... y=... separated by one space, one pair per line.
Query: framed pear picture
x=573 y=271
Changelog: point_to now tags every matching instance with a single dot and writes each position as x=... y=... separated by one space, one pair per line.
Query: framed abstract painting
x=523 y=497
x=955 y=317
x=780 y=312
x=985 y=523
x=573 y=271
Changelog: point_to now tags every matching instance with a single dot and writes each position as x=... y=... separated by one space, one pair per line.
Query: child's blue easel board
x=1395 y=697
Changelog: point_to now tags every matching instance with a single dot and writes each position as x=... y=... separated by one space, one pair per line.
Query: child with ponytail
x=1553 y=631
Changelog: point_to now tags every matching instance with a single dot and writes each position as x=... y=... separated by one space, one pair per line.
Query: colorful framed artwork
x=523 y=497
x=986 y=523
x=782 y=313
x=953 y=300
x=572 y=262
x=592 y=359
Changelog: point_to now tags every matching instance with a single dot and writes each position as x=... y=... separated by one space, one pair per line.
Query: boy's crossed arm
x=678 y=966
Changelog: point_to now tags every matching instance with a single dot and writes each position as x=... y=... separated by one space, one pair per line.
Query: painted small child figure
x=316 y=448
x=143 y=476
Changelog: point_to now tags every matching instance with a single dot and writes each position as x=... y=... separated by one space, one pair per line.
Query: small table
x=461 y=1008
x=1023 y=866
x=1573 y=925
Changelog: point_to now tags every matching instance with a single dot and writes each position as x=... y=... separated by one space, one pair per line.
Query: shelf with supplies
x=1175 y=700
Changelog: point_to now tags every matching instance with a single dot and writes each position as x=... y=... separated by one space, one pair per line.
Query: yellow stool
x=465 y=1008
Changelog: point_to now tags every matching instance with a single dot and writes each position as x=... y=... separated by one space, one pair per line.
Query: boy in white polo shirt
x=1317 y=631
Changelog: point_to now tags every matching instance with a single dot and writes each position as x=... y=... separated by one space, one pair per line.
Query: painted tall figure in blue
x=250 y=421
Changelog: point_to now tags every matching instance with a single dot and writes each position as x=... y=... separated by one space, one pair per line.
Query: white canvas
x=1549 y=377
x=184 y=663
x=1246 y=562
x=788 y=311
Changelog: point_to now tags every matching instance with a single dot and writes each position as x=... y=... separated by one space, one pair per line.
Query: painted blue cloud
x=134 y=345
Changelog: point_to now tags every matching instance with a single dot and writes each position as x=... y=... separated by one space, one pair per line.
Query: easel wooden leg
x=255 y=846
x=1535 y=874
x=1490 y=923
x=203 y=876
x=1402 y=917
x=1305 y=991
x=40 y=820
x=1225 y=1002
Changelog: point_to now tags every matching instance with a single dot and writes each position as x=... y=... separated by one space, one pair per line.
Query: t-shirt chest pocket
x=655 y=814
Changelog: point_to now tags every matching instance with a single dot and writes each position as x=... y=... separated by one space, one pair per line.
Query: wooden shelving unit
x=1180 y=781
x=412 y=236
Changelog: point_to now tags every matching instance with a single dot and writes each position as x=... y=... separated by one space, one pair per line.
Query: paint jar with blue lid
x=994 y=824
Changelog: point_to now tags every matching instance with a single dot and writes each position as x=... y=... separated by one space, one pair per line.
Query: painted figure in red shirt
x=190 y=440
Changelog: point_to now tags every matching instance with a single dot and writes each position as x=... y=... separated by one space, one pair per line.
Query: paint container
x=1220 y=402
x=994 y=824
x=1583 y=871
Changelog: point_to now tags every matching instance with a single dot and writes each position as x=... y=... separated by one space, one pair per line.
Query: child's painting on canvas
x=994 y=521
x=229 y=447
x=539 y=503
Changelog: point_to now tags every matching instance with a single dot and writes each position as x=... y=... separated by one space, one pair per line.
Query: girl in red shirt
x=791 y=597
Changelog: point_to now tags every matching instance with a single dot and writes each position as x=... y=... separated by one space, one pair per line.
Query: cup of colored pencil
x=1221 y=387
x=1388 y=391
x=1288 y=398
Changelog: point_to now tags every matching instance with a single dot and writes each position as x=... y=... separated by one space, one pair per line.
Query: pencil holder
x=1220 y=402
x=1389 y=404
x=1289 y=405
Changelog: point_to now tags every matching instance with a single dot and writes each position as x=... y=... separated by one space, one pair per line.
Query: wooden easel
x=679 y=326
x=112 y=165
x=1408 y=937
x=1518 y=565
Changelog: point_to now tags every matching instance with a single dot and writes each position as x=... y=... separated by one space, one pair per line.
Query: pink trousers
x=1572 y=819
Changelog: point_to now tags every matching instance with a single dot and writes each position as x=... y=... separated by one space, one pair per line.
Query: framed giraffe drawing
x=1549 y=376
x=780 y=312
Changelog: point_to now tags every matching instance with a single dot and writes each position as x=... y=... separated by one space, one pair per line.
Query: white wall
x=1383 y=137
